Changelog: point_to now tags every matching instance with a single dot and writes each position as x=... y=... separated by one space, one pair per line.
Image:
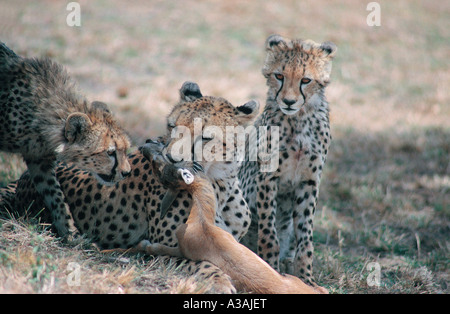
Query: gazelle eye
x=279 y=76
x=305 y=80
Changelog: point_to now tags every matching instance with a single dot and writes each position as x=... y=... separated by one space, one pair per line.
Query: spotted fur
x=44 y=118
x=283 y=202
x=122 y=215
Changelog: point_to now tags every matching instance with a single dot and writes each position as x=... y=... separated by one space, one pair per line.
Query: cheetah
x=283 y=202
x=122 y=215
x=200 y=239
x=44 y=119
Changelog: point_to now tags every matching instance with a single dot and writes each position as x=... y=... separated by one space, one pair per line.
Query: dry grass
x=385 y=192
x=386 y=200
x=32 y=260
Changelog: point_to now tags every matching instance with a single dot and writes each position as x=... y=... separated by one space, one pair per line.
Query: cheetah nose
x=289 y=102
x=125 y=173
x=170 y=158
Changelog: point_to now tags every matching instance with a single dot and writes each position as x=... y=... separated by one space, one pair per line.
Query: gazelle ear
x=190 y=91
x=247 y=112
x=186 y=175
x=77 y=125
x=329 y=49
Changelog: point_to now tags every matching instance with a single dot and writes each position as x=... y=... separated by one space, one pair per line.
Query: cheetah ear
x=100 y=106
x=274 y=41
x=190 y=91
x=329 y=49
x=247 y=112
x=77 y=125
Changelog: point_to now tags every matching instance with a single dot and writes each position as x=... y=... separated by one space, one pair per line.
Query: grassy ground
x=32 y=260
x=385 y=195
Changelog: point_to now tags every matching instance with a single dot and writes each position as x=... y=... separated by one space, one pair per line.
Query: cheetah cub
x=283 y=202
x=45 y=119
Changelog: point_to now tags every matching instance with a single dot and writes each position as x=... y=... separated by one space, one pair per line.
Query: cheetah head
x=202 y=129
x=297 y=72
x=96 y=143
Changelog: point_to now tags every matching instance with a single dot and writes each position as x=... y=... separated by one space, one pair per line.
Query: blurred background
x=385 y=194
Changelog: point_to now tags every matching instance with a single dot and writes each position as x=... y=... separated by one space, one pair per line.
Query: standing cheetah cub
x=283 y=202
x=45 y=119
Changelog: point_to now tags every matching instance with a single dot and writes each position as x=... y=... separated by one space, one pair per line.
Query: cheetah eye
x=305 y=80
x=279 y=76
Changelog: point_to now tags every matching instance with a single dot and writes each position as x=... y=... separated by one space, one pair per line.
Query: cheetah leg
x=206 y=273
x=147 y=247
x=266 y=204
x=203 y=271
x=120 y=250
x=43 y=176
x=286 y=233
x=7 y=196
x=306 y=197
x=159 y=249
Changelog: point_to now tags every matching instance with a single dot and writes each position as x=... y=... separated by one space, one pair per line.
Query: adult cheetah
x=283 y=202
x=45 y=119
x=122 y=215
x=201 y=240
